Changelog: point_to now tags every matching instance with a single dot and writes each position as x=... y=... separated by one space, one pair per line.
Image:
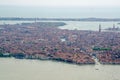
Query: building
x=99 y=27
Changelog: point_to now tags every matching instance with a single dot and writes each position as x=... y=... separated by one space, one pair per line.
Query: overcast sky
x=60 y=8
x=62 y=3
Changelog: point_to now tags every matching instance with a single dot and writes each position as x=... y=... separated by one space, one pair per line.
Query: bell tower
x=99 y=27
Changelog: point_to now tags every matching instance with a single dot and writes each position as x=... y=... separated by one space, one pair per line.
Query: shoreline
x=94 y=19
x=63 y=61
x=46 y=59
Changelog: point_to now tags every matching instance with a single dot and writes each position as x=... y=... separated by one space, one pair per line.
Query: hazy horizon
x=60 y=8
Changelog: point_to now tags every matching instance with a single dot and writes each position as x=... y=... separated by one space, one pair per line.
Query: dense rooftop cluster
x=44 y=40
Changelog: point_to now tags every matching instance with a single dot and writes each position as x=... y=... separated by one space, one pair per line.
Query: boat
x=96 y=69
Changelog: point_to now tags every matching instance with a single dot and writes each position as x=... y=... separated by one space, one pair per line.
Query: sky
x=85 y=3
x=67 y=3
x=60 y=8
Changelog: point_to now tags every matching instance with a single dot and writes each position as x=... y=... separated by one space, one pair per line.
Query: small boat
x=96 y=69
x=118 y=23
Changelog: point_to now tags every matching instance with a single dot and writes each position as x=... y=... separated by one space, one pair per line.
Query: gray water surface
x=15 y=69
x=94 y=26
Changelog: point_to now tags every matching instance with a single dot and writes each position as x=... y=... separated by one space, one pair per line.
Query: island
x=46 y=41
x=93 y=19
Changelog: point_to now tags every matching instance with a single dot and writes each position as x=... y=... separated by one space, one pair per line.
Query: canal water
x=22 y=69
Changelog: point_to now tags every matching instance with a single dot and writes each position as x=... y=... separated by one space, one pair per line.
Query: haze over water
x=59 y=12
x=60 y=8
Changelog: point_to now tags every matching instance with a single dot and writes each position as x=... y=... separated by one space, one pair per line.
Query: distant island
x=60 y=19
x=45 y=41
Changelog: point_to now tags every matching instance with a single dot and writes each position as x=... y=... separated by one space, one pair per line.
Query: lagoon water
x=72 y=25
x=93 y=26
x=22 y=69
x=15 y=69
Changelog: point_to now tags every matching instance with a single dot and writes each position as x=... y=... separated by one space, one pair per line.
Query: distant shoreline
x=60 y=19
